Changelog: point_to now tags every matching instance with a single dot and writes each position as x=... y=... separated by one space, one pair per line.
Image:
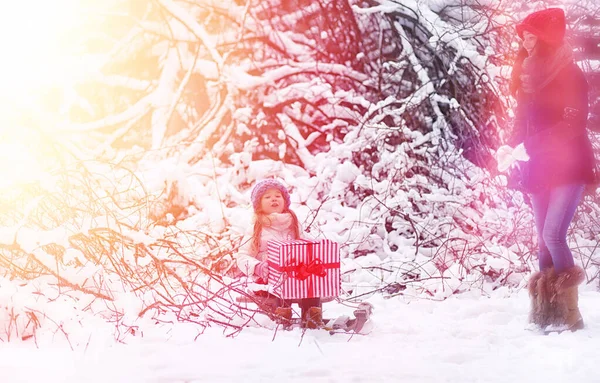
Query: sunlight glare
x=38 y=38
x=33 y=35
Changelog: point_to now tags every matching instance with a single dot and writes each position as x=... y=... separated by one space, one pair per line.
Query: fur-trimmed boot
x=574 y=318
x=283 y=315
x=554 y=299
x=536 y=296
x=314 y=318
x=563 y=294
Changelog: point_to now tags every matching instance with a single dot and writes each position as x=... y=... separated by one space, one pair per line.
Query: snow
x=593 y=65
x=197 y=29
x=245 y=81
x=450 y=324
x=467 y=338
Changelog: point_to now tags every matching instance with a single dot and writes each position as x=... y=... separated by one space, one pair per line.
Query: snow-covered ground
x=467 y=338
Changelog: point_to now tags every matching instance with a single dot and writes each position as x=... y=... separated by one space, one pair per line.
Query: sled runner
x=346 y=324
x=343 y=324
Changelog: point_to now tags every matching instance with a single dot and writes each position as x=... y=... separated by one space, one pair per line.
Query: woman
x=551 y=117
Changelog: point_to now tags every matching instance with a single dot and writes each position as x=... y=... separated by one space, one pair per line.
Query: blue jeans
x=553 y=211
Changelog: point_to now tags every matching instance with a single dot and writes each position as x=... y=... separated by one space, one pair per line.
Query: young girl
x=273 y=220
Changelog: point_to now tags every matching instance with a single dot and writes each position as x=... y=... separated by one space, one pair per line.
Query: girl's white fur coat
x=279 y=230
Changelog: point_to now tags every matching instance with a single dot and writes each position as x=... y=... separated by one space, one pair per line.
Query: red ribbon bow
x=302 y=270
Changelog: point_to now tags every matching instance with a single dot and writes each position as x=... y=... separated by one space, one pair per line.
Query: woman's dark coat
x=552 y=124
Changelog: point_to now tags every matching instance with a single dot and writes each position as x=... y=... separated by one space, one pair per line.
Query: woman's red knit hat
x=548 y=25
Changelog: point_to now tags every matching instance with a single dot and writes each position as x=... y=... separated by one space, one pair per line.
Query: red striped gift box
x=304 y=269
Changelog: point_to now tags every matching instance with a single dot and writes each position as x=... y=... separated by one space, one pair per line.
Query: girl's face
x=272 y=202
x=529 y=41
